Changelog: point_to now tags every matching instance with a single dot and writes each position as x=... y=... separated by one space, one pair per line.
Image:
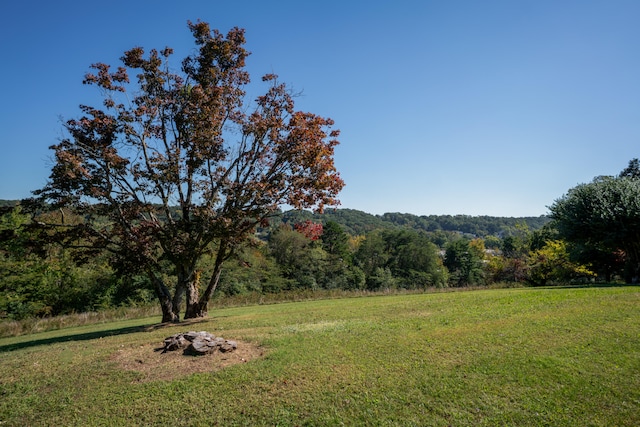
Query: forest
x=339 y=249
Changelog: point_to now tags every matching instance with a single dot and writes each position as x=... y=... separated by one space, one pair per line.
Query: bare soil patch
x=155 y=365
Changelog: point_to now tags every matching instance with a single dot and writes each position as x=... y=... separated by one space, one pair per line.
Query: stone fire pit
x=198 y=343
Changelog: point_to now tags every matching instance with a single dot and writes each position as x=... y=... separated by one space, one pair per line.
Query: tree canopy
x=603 y=215
x=187 y=139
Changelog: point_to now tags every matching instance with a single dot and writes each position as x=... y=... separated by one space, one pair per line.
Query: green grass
x=512 y=357
x=32 y=325
x=10 y=328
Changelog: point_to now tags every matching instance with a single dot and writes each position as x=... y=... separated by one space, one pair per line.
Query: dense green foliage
x=599 y=222
x=464 y=259
x=602 y=218
x=43 y=279
x=400 y=258
x=359 y=223
x=507 y=357
x=8 y=203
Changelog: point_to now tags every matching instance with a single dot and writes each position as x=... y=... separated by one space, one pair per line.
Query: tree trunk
x=177 y=296
x=164 y=297
x=188 y=282
x=632 y=251
x=199 y=306
x=193 y=295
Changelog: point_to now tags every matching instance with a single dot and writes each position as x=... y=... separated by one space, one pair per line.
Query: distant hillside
x=8 y=202
x=357 y=222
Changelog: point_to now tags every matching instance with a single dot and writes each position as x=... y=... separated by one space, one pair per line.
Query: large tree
x=177 y=164
x=603 y=215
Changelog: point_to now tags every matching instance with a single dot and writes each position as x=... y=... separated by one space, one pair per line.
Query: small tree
x=335 y=240
x=551 y=263
x=463 y=259
x=309 y=229
x=175 y=165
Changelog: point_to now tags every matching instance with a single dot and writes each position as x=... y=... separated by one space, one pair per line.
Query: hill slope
x=357 y=222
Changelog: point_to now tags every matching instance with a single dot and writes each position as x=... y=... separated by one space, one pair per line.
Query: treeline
x=8 y=203
x=357 y=222
x=340 y=249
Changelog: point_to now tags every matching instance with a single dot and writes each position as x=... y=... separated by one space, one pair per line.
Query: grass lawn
x=513 y=357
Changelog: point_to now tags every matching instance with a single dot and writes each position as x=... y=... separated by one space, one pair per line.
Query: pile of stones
x=198 y=343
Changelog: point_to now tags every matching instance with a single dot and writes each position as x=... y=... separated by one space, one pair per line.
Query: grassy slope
x=492 y=357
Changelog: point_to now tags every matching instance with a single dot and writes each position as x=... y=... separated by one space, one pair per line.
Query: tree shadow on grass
x=92 y=335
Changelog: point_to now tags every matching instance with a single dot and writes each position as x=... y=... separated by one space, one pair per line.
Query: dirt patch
x=155 y=365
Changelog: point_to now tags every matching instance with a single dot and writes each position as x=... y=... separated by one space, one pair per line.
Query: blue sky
x=445 y=107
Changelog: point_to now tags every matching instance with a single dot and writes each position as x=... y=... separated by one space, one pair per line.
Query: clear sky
x=477 y=107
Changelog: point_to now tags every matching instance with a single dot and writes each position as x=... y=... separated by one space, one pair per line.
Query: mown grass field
x=513 y=357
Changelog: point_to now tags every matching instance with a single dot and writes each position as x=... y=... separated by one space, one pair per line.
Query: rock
x=200 y=346
x=228 y=346
x=198 y=343
x=175 y=342
x=195 y=335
